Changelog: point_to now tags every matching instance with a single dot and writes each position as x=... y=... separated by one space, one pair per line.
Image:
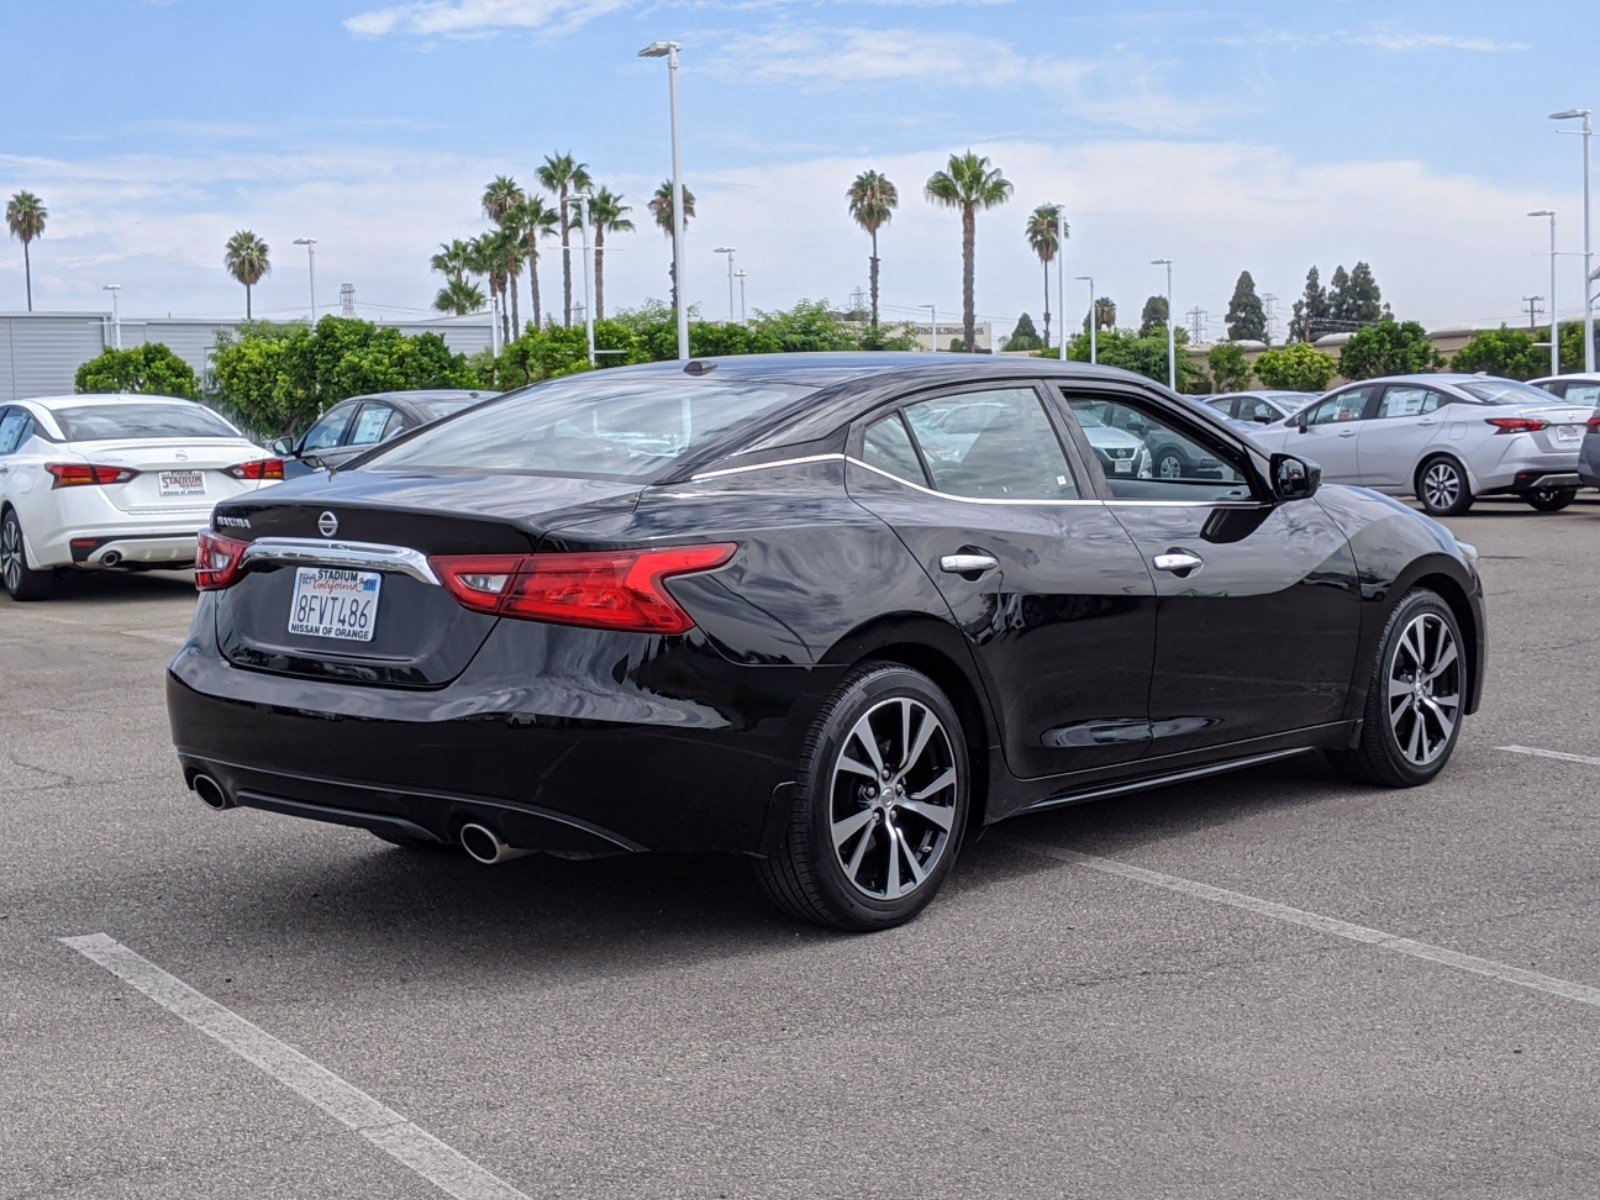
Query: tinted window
x=12 y=422
x=1403 y=401
x=98 y=422
x=1252 y=408
x=1583 y=393
x=1223 y=404
x=325 y=434
x=992 y=446
x=1343 y=406
x=370 y=425
x=630 y=425
x=433 y=409
x=888 y=447
x=1146 y=457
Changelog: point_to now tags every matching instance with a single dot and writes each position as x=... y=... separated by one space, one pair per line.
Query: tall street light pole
x=311 y=267
x=1061 y=278
x=580 y=201
x=740 y=276
x=1555 y=336
x=728 y=250
x=669 y=51
x=1573 y=114
x=933 y=324
x=1094 y=317
x=116 y=313
x=1172 y=333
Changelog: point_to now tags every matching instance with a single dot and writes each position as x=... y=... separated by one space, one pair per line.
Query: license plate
x=182 y=483
x=1569 y=433
x=332 y=603
x=1122 y=466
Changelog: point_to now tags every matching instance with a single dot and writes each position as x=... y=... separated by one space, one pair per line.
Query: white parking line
x=1504 y=972
x=448 y=1170
x=1560 y=754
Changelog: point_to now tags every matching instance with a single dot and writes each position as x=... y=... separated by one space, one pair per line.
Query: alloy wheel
x=1170 y=467
x=893 y=802
x=1441 y=485
x=11 y=554
x=1424 y=689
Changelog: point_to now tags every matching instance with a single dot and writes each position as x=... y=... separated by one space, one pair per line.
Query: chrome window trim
x=360 y=556
x=765 y=466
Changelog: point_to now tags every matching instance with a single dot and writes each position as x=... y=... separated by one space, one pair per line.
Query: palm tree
x=559 y=173
x=487 y=258
x=25 y=214
x=451 y=260
x=247 y=258
x=660 y=207
x=459 y=296
x=1105 y=313
x=1046 y=243
x=873 y=200
x=536 y=220
x=968 y=183
x=501 y=200
x=608 y=214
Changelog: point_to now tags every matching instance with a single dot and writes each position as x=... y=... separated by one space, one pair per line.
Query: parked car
x=1446 y=439
x=1260 y=408
x=786 y=630
x=97 y=481
x=1581 y=389
x=354 y=426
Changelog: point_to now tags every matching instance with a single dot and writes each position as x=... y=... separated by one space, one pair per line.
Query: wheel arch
x=1455 y=596
x=1433 y=453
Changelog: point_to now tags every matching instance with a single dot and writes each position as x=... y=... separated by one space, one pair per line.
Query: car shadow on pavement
x=71 y=586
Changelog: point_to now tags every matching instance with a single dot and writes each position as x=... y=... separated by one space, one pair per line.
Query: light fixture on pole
x=580 y=200
x=1172 y=333
x=728 y=250
x=1574 y=114
x=933 y=326
x=116 y=313
x=669 y=51
x=1555 y=336
x=1061 y=278
x=1094 y=317
x=311 y=267
x=740 y=275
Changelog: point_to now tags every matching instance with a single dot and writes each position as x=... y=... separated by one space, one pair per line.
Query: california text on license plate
x=332 y=603
x=182 y=483
x=1569 y=433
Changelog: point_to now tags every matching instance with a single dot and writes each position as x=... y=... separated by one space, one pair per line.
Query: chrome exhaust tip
x=110 y=558
x=484 y=845
x=210 y=793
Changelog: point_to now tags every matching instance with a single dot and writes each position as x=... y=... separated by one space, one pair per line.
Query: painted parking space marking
x=447 y=1169
x=1562 y=755
x=1506 y=973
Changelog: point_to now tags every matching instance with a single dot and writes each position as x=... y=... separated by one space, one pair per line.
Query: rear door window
x=887 y=446
x=371 y=425
x=1403 y=400
x=994 y=445
x=1583 y=393
x=12 y=422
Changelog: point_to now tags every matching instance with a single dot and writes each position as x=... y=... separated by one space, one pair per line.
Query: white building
x=950 y=331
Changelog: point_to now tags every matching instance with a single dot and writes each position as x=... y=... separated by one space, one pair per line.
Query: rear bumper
x=1525 y=468
x=104 y=550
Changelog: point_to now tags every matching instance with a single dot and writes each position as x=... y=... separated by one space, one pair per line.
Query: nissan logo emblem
x=327 y=524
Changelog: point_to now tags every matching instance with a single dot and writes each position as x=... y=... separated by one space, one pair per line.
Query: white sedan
x=113 y=481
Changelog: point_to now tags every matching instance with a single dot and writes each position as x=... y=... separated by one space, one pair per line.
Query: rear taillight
x=217 y=560
x=1517 y=424
x=621 y=589
x=259 y=468
x=1594 y=424
x=86 y=475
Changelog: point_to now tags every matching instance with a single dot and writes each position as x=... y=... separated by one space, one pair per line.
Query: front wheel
x=880 y=807
x=1443 y=488
x=1551 y=499
x=1415 y=697
x=1171 y=464
x=21 y=582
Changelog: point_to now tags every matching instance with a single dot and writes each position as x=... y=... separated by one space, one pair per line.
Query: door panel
x=1406 y=421
x=1062 y=625
x=1331 y=433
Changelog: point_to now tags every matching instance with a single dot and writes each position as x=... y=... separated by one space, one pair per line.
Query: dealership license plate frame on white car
x=1569 y=433
x=333 y=602
x=181 y=483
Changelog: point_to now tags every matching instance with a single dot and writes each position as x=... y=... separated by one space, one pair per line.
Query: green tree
x=1145 y=356
x=25 y=218
x=1570 y=340
x=459 y=297
x=967 y=184
x=608 y=214
x=1339 y=303
x=1389 y=348
x=248 y=259
x=1105 y=311
x=149 y=370
x=1310 y=311
x=873 y=200
x=502 y=200
x=1230 y=366
x=1297 y=367
x=1045 y=241
x=561 y=174
x=660 y=207
x=1506 y=352
x=453 y=260
x=1025 y=336
x=1247 y=319
x=1153 y=319
x=1363 y=300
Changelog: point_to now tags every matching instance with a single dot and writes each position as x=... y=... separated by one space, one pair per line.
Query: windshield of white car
x=121 y=422
x=1505 y=391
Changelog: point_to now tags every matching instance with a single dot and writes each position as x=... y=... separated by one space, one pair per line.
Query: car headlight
x=1470 y=553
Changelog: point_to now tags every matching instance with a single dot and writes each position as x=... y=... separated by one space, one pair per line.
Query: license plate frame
x=1569 y=434
x=180 y=484
x=335 y=603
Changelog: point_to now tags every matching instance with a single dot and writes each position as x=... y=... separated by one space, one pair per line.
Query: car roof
x=427 y=394
x=56 y=403
x=1569 y=377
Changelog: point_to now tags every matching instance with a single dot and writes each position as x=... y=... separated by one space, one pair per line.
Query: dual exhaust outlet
x=481 y=843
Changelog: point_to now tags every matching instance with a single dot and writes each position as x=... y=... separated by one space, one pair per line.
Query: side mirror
x=1263 y=418
x=281 y=447
x=1294 y=478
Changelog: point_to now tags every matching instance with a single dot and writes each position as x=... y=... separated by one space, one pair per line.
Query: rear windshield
x=619 y=425
x=1505 y=391
x=101 y=422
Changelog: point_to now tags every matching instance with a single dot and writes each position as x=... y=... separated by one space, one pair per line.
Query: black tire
x=1551 y=499
x=1178 y=461
x=1442 y=486
x=419 y=845
x=1380 y=757
x=807 y=876
x=20 y=581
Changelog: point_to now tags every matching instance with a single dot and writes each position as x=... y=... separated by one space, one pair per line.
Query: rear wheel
x=1171 y=464
x=1551 y=499
x=1443 y=488
x=21 y=582
x=882 y=802
x=1414 y=697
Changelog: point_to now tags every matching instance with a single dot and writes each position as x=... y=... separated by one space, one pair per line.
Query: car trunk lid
x=173 y=476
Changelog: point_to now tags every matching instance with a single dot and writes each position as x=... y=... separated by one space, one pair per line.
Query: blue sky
x=1245 y=135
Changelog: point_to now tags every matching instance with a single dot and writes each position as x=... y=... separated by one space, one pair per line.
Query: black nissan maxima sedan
x=771 y=605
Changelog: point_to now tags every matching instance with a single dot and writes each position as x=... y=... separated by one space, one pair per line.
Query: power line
x=1535 y=308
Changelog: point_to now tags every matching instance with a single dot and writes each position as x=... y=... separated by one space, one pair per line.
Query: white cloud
x=478 y=18
x=1379 y=37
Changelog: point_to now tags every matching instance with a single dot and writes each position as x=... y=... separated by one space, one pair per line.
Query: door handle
x=1177 y=561
x=1348 y=432
x=968 y=563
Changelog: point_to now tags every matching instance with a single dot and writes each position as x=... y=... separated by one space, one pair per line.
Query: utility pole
x=1270 y=303
x=1197 y=322
x=347 y=299
x=740 y=275
x=1534 y=311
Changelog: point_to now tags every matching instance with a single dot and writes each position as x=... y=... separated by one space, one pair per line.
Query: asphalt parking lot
x=1270 y=984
